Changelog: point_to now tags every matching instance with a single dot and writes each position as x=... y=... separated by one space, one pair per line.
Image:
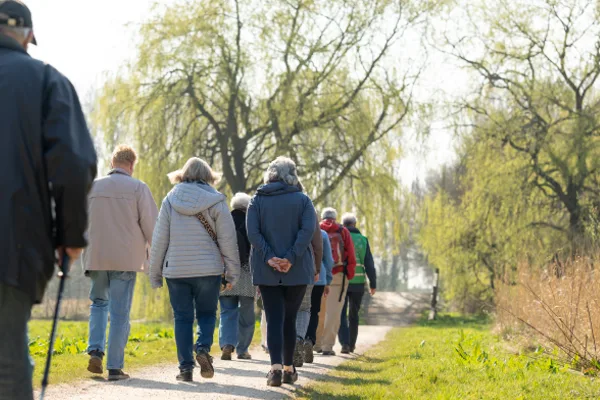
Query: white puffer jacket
x=181 y=246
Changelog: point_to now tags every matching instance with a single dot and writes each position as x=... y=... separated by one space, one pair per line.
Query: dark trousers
x=348 y=332
x=315 y=309
x=281 y=308
x=15 y=365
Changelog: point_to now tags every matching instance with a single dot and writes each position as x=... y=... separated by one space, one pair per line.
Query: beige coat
x=122 y=214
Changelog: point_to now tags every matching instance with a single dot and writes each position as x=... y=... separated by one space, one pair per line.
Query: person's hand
x=229 y=286
x=285 y=265
x=274 y=263
x=326 y=291
x=372 y=291
x=317 y=277
x=73 y=252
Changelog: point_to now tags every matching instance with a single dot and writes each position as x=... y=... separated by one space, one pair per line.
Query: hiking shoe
x=346 y=349
x=352 y=349
x=290 y=377
x=299 y=354
x=227 y=352
x=309 y=356
x=274 y=378
x=206 y=368
x=244 y=356
x=95 y=362
x=117 y=375
x=328 y=353
x=185 y=375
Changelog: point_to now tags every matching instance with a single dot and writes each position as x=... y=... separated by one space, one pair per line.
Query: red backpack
x=337 y=247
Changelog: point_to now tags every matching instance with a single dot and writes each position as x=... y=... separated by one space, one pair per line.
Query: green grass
x=453 y=358
x=149 y=344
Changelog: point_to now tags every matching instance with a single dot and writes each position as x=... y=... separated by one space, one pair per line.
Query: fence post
x=434 y=296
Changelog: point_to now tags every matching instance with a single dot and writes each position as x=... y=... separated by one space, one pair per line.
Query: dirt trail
x=233 y=379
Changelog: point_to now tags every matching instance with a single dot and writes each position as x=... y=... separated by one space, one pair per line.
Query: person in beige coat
x=122 y=214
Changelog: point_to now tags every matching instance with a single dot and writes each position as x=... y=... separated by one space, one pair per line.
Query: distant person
x=304 y=351
x=237 y=321
x=122 y=216
x=344 y=258
x=281 y=223
x=48 y=163
x=194 y=242
x=365 y=268
x=318 y=296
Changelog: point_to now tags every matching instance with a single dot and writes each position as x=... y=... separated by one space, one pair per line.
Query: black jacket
x=48 y=164
x=369 y=268
x=239 y=219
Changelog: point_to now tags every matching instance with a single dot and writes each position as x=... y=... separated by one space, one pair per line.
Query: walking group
x=307 y=274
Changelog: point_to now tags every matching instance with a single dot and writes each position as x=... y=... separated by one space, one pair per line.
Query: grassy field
x=149 y=344
x=454 y=358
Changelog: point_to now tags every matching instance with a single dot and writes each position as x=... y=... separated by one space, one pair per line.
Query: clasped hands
x=280 y=264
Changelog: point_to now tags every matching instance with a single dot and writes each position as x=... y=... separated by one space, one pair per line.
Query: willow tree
x=540 y=63
x=239 y=82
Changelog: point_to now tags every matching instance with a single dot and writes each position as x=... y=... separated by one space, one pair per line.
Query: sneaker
x=117 y=375
x=299 y=354
x=95 y=362
x=328 y=353
x=244 y=356
x=185 y=375
x=274 y=378
x=309 y=356
x=206 y=368
x=346 y=349
x=227 y=352
x=290 y=377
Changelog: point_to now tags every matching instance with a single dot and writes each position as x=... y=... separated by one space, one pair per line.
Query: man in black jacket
x=48 y=164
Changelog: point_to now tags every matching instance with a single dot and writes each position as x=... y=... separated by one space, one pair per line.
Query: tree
x=241 y=81
x=540 y=64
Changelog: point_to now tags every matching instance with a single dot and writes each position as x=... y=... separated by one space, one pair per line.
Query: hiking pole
x=62 y=275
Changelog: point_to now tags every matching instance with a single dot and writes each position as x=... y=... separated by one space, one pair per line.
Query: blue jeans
x=302 y=322
x=236 y=327
x=15 y=365
x=202 y=295
x=111 y=293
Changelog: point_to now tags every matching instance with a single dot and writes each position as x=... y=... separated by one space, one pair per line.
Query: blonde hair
x=124 y=154
x=195 y=170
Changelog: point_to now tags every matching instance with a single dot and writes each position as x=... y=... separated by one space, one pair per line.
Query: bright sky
x=87 y=39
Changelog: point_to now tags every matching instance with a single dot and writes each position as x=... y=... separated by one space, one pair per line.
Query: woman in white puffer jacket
x=192 y=257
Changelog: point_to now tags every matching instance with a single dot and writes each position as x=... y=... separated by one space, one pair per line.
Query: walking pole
x=62 y=274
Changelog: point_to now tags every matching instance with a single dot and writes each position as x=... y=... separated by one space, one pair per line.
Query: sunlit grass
x=454 y=358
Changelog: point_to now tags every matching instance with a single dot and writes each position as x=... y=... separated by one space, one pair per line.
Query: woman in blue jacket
x=281 y=222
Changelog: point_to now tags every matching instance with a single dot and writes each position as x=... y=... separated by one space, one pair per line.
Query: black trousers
x=315 y=309
x=281 y=305
x=348 y=333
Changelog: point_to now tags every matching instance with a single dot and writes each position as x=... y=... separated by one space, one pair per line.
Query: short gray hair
x=329 y=213
x=240 y=201
x=349 y=219
x=283 y=169
x=195 y=170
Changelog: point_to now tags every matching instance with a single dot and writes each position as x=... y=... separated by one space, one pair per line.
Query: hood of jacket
x=330 y=226
x=276 y=189
x=192 y=198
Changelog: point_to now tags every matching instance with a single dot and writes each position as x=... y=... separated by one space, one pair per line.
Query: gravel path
x=233 y=379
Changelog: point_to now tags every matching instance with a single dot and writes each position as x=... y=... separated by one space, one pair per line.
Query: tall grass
x=559 y=306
